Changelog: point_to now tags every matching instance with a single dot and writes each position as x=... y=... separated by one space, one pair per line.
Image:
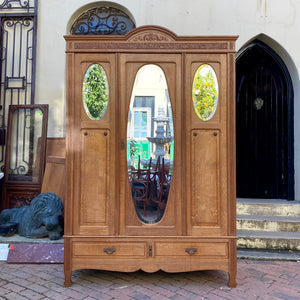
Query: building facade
x=268 y=56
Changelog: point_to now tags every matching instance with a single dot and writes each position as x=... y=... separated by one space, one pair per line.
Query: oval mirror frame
x=95 y=92
x=205 y=92
x=150 y=144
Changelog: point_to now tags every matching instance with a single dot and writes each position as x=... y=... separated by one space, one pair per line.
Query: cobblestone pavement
x=255 y=280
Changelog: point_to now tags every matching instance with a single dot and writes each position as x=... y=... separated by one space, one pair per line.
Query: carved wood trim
x=151 y=33
x=152 y=45
x=152 y=38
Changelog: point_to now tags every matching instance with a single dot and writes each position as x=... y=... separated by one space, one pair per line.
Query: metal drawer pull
x=191 y=251
x=109 y=250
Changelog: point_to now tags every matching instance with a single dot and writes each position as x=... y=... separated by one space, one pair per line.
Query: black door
x=264 y=115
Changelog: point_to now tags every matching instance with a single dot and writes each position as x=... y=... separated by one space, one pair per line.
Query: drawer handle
x=191 y=251
x=109 y=250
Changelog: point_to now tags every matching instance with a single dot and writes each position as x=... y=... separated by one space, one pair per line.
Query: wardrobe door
x=206 y=144
x=93 y=145
x=143 y=117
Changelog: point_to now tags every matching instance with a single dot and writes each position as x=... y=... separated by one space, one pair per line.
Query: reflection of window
x=146 y=101
x=141 y=121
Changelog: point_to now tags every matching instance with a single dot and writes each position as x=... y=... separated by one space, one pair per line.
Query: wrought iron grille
x=104 y=21
x=21 y=6
x=18 y=30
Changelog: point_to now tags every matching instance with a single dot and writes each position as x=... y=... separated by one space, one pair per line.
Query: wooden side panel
x=56 y=147
x=206 y=154
x=95 y=183
x=54 y=177
x=94 y=155
x=205 y=181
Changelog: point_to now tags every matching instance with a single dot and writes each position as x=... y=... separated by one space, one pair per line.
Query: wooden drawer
x=109 y=249
x=191 y=249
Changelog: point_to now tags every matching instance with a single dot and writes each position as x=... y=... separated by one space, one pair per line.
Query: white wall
x=277 y=19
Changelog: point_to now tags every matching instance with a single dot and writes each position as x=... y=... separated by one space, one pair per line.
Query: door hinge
x=122 y=144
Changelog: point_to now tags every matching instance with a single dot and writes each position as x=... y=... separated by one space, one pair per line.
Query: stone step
x=262 y=254
x=257 y=239
x=268 y=207
x=268 y=223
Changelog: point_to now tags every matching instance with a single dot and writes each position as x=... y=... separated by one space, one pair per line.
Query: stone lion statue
x=39 y=219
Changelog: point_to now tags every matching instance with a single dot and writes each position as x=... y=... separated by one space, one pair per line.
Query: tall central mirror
x=150 y=144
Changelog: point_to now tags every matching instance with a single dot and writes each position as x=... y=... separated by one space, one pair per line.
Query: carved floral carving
x=151 y=37
x=151 y=45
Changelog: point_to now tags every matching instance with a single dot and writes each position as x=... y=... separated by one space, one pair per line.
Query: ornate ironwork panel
x=17 y=57
x=104 y=21
x=20 y=6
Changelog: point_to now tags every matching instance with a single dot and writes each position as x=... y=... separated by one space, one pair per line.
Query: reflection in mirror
x=95 y=92
x=205 y=92
x=150 y=144
x=26 y=144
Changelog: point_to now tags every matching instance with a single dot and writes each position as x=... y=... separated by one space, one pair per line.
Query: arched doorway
x=264 y=122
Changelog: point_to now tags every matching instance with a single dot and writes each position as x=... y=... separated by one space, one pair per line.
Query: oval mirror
x=150 y=144
x=205 y=92
x=95 y=92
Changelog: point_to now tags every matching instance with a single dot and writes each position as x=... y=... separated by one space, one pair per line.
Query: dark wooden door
x=264 y=125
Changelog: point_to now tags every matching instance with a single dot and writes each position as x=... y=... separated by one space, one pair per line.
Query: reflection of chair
x=163 y=187
x=154 y=180
x=140 y=186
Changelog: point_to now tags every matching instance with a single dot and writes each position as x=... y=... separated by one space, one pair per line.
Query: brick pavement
x=268 y=280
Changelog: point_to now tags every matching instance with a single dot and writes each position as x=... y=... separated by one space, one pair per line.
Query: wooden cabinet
x=197 y=228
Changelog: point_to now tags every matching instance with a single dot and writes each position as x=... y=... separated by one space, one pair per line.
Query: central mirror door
x=150 y=144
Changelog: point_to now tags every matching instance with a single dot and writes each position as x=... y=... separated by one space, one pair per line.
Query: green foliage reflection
x=205 y=92
x=95 y=92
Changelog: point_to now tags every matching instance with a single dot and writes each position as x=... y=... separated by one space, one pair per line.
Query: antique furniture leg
x=68 y=281
x=232 y=279
x=67 y=263
x=232 y=264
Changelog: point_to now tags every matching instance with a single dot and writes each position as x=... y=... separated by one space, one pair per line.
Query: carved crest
x=151 y=36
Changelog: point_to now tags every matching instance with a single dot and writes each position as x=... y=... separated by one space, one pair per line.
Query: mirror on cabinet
x=150 y=144
x=95 y=92
x=205 y=92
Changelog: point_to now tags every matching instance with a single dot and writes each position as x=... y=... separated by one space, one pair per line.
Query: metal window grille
x=18 y=31
x=103 y=20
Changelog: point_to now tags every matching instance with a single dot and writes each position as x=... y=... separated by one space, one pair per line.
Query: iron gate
x=18 y=30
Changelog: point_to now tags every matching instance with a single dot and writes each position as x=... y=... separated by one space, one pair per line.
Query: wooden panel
x=91 y=155
x=205 y=177
x=206 y=147
x=115 y=249
x=202 y=249
x=54 y=177
x=19 y=194
x=56 y=147
x=95 y=179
